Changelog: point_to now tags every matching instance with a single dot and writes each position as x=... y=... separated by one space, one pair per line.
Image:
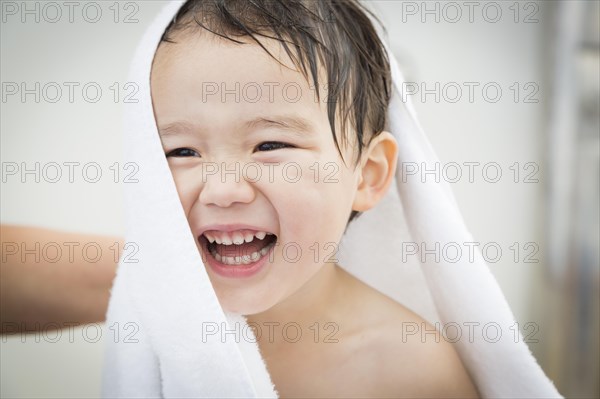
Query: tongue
x=247 y=248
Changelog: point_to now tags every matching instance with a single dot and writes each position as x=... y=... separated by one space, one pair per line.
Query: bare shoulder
x=405 y=353
x=422 y=359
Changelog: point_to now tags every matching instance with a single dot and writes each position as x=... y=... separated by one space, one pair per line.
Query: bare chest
x=326 y=370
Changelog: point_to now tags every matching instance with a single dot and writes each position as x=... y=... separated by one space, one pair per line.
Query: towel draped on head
x=162 y=303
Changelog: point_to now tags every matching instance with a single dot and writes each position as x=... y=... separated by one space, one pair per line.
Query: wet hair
x=336 y=35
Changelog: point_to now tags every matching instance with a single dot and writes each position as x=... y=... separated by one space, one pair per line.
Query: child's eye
x=182 y=152
x=272 y=145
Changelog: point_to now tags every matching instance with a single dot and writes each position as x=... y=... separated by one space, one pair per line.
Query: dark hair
x=336 y=34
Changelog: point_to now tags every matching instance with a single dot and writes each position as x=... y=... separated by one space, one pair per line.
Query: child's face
x=225 y=108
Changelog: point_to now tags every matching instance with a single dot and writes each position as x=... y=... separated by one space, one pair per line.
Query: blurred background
x=509 y=86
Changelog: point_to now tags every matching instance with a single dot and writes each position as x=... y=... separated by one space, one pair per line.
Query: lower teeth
x=241 y=260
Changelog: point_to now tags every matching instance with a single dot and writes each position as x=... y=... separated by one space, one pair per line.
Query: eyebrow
x=294 y=124
x=175 y=128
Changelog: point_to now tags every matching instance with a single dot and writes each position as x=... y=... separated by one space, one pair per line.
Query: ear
x=378 y=166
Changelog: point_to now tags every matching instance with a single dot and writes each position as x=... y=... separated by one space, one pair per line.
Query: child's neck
x=315 y=302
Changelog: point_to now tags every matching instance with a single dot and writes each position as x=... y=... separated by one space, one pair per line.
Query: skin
x=36 y=294
x=364 y=357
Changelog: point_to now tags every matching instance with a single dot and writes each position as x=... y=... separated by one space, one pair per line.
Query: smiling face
x=254 y=161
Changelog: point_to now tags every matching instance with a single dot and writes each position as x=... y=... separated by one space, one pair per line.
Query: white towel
x=162 y=304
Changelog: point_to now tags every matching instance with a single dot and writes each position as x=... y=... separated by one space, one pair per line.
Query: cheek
x=188 y=188
x=313 y=206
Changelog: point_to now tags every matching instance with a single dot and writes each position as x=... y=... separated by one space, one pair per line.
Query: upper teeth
x=234 y=237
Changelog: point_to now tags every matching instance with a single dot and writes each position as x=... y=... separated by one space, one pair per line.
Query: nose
x=226 y=187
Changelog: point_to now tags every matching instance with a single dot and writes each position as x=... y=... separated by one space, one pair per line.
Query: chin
x=243 y=306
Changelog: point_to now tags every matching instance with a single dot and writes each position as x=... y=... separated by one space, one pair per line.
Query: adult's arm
x=51 y=279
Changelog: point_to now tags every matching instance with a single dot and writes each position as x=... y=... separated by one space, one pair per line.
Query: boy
x=255 y=103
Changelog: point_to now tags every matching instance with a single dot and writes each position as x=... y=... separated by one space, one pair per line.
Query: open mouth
x=237 y=248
